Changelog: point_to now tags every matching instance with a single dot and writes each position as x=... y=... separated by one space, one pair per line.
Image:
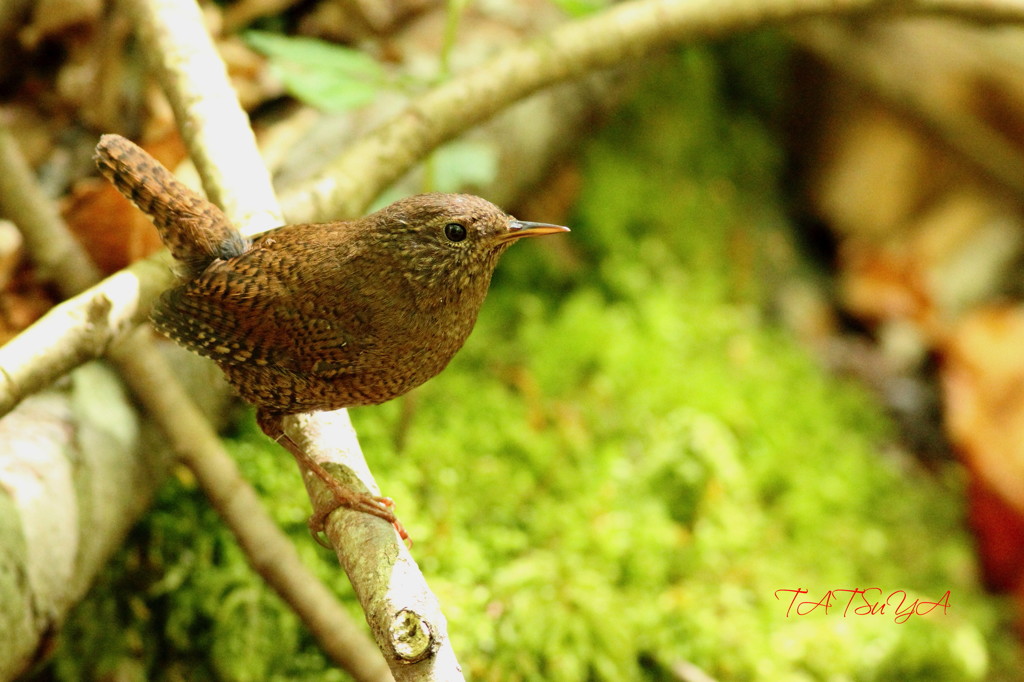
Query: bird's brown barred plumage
x=320 y=317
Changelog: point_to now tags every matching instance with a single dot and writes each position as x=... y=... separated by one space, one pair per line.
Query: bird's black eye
x=455 y=232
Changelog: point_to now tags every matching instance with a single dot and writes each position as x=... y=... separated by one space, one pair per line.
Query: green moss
x=618 y=473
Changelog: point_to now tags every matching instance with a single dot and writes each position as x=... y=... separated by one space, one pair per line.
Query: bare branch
x=623 y=33
x=406 y=621
x=67 y=470
x=213 y=124
x=58 y=256
x=79 y=329
x=977 y=11
x=269 y=551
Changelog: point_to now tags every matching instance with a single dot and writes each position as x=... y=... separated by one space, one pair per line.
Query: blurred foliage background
x=630 y=457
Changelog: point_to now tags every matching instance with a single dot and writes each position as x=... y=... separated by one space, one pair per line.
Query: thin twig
x=983 y=12
x=58 y=257
x=268 y=550
x=625 y=32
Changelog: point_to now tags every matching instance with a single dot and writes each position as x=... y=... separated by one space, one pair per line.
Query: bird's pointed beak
x=522 y=228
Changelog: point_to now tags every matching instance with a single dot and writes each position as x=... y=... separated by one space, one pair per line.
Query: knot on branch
x=412 y=638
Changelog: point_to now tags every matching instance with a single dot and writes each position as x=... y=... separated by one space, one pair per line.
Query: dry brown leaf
x=983 y=382
x=882 y=283
x=113 y=231
x=23 y=301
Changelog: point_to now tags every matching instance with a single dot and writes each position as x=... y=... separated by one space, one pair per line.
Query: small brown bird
x=320 y=317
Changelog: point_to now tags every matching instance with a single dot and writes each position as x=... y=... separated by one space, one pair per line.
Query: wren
x=320 y=316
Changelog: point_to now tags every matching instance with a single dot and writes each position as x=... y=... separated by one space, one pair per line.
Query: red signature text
x=871 y=601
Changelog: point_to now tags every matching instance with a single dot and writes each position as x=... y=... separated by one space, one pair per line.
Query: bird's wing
x=245 y=310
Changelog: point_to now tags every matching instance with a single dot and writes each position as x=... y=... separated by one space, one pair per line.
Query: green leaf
x=579 y=8
x=327 y=76
x=463 y=164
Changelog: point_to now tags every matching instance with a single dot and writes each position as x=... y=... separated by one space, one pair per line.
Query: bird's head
x=453 y=237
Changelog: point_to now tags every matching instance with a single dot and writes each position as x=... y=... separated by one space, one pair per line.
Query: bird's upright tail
x=194 y=229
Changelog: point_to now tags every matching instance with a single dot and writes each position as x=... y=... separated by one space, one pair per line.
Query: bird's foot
x=344 y=496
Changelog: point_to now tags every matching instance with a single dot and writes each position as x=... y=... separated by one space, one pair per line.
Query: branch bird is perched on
x=320 y=317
